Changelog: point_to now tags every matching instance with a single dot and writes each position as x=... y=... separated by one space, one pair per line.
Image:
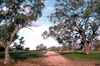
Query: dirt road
x=55 y=59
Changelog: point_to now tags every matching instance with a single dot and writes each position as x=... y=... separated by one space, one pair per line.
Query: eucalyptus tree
x=15 y=15
x=75 y=19
x=41 y=47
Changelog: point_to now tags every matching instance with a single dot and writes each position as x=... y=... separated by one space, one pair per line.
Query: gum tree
x=75 y=19
x=15 y=15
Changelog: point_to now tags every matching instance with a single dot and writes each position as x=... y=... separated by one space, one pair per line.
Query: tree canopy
x=15 y=15
x=41 y=47
x=75 y=19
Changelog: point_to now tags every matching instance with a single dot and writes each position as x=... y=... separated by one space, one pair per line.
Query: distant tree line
x=41 y=47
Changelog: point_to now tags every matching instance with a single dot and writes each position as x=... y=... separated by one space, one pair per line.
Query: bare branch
x=81 y=21
x=29 y=28
x=2 y=44
x=9 y=20
x=86 y=24
x=97 y=26
x=77 y=23
x=92 y=37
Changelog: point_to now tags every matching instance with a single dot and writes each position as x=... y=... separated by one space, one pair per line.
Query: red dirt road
x=55 y=59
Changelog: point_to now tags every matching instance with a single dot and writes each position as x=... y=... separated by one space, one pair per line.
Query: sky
x=34 y=38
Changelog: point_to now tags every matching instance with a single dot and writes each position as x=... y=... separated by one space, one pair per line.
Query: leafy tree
x=27 y=49
x=70 y=47
x=21 y=41
x=15 y=15
x=41 y=47
x=75 y=19
x=53 y=48
x=37 y=48
x=64 y=48
x=19 y=46
x=97 y=45
x=44 y=48
x=58 y=48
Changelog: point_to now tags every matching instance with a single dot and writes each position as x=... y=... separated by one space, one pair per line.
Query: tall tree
x=75 y=19
x=15 y=15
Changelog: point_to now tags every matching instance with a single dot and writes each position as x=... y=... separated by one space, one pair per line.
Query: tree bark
x=7 y=56
x=87 y=48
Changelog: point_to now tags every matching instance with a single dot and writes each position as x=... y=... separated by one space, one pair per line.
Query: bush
x=27 y=49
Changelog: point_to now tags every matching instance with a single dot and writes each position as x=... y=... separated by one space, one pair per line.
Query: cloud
x=32 y=39
x=36 y=24
x=44 y=15
x=5 y=9
x=27 y=9
x=50 y=8
x=24 y=10
x=46 y=2
x=45 y=10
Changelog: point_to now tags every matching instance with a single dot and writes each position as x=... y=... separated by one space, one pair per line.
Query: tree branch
x=97 y=27
x=13 y=34
x=73 y=39
x=4 y=14
x=29 y=28
x=77 y=23
x=2 y=44
x=81 y=21
x=8 y=20
x=86 y=24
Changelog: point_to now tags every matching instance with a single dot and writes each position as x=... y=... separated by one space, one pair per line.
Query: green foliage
x=27 y=49
x=19 y=46
x=75 y=19
x=24 y=55
x=41 y=47
x=14 y=16
x=70 y=47
x=96 y=45
x=58 y=49
x=64 y=48
x=53 y=48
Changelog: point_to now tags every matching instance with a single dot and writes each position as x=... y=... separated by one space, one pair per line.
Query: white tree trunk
x=87 y=48
x=7 y=56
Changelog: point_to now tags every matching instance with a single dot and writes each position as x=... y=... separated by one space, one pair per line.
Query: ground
x=55 y=59
x=50 y=59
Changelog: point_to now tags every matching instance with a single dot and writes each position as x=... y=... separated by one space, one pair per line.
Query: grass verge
x=23 y=58
x=82 y=57
x=23 y=55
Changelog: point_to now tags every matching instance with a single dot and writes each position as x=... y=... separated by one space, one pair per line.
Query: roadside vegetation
x=93 y=57
x=21 y=58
